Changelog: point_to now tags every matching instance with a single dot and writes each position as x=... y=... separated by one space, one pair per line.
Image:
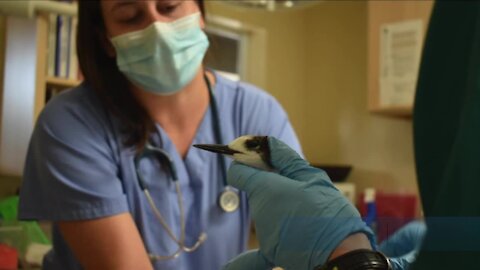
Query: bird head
x=249 y=150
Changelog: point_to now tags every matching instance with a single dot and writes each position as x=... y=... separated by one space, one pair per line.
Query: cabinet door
x=23 y=88
x=381 y=14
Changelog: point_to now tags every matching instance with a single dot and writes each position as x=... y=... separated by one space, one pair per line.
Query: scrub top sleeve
x=281 y=128
x=284 y=129
x=70 y=171
x=265 y=116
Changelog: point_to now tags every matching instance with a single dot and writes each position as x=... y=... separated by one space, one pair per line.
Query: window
x=225 y=53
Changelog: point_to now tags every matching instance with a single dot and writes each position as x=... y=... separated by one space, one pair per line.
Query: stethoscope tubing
x=158 y=215
x=150 y=150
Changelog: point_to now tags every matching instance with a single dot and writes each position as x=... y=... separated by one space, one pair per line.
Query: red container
x=8 y=258
x=393 y=211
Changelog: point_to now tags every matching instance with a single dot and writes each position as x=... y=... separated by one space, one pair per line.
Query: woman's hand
x=404 y=244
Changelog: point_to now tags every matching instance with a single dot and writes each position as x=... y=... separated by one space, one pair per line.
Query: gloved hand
x=402 y=247
x=300 y=217
x=403 y=262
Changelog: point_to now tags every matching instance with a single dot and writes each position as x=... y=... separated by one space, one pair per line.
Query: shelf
x=61 y=82
x=395 y=111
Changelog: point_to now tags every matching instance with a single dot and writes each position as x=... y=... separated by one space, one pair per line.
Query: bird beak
x=217 y=148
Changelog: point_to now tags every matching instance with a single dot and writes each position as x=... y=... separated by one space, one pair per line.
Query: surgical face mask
x=164 y=57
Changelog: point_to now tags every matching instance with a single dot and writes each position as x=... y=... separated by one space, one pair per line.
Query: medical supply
x=388 y=212
x=165 y=159
x=35 y=253
x=19 y=235
x=8 y=257
x=249 y=150
x=228 y=200
x=371 y=216
x=164 y=57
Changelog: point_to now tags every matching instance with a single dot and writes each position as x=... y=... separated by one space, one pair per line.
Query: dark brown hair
x=101 y=73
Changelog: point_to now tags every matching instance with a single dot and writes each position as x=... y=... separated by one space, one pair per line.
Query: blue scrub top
x=77 y=168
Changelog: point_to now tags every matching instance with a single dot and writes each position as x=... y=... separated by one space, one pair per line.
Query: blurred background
x=345 y=72
x=321 y=60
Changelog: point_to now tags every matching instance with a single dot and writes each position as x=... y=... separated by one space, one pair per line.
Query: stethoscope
x=228 y=199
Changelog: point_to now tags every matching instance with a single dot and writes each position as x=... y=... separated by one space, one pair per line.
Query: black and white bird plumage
x=249 y=150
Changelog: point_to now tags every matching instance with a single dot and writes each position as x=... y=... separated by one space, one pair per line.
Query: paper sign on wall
x=400 y=53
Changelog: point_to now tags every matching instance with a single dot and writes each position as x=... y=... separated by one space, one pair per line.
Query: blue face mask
x=164 y=57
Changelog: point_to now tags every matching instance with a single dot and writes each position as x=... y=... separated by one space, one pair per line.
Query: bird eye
x=252 y=144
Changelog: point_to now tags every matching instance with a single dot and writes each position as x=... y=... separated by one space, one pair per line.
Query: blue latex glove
x=405 y=240
x=300 y=217
x=403 y=262
x=404 y=244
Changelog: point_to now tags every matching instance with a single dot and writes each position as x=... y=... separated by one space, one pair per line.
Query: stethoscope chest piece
x=229 y=200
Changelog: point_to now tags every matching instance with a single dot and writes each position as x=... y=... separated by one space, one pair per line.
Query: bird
x=250 y=150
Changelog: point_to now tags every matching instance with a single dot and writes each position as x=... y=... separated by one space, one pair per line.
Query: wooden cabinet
x=380 y=14
x=24 y=85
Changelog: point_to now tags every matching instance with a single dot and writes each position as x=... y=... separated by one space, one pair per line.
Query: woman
x=144 y=85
